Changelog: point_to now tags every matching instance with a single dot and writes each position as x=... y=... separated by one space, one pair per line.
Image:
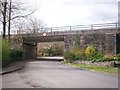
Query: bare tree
x=12 y=12
x=9 y=22
x=29 y=26
x=35 y=25
x=3 y=11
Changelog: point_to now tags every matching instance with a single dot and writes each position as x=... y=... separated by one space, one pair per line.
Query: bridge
x=105 y=37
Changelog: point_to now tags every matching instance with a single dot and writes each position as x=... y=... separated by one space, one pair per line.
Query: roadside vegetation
x=90 y=54
x=17 y=21
x=5 y=51
x=10 y=54
x=76 y=55
x=103 y=69
x=56 y=49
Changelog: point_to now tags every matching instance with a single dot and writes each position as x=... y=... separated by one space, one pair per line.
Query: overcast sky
x=75 y=12
x=55 y=13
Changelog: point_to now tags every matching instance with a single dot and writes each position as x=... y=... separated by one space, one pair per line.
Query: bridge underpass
x=30 y=46
x=103 y=37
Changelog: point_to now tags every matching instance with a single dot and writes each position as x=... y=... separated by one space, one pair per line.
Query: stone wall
x=108 y=64
x=97 y=40
x=106 y=43
x=29 y=51
x=68 y=42
x=117 y=43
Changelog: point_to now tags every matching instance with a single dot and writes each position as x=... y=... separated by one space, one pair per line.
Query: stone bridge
x=106 y=40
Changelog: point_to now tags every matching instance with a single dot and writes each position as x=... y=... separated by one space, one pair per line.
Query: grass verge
x=108 y=70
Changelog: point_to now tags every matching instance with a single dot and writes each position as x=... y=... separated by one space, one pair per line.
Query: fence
x=68 y=29
x=80 y=27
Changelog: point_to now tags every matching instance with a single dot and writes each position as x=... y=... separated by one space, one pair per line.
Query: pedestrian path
x=14 y=66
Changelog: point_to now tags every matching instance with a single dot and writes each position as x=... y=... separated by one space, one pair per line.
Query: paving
x=54 y=74
x=12 y=67
x=58 y=58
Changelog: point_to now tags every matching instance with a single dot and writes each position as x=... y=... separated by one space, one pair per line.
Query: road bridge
x=102 y=36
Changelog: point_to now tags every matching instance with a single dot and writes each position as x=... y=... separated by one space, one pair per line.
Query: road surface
x=54 y=74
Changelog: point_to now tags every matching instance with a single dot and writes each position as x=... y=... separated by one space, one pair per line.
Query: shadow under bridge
x=30 y=44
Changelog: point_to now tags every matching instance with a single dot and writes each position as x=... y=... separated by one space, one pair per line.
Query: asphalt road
x=54 y=74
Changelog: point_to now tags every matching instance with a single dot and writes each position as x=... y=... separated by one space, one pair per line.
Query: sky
x=56 y=13
x=75 y=12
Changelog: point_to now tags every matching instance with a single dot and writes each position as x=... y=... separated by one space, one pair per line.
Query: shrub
x=69 y=56
x=117 y=57
x=16 y=54
x=54 y=50
x=108 y=58
x=78 y=53
x=5 y=50
x=98 y=57
x=90 y=52
x=58 y=50
x=74 y=54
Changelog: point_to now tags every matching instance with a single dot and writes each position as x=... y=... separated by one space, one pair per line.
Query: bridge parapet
x=77 y=29
x=64 y=33
x=65 y=30
x=80 y=27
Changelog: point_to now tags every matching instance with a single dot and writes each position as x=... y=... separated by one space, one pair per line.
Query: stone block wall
x=68 y=42
x=117 y=43
x=110 y=43
x=97 y=40
x=29 y=51
x=103 y=42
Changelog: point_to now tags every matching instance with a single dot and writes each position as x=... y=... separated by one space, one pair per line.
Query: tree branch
x=22 y=16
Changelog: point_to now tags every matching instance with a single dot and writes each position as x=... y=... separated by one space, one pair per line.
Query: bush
x=58 y=50
x=97 y=57
x=54 y=50
x=5 y=51
x=69 y=56
x=90 y=52
x=74 y=54
x=117 y=57
x=78 y=53
x=102 y=58
x=16 y=54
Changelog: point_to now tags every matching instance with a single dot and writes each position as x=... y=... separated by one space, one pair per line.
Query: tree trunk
x=4 y=19
x=9 y=22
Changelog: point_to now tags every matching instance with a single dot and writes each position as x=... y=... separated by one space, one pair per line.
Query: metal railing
x=63 y=30
x=80 y=27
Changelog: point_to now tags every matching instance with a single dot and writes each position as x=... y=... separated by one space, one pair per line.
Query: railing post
x=51 y=29
x=91 y=27
x=116 y=25
x=70 y=28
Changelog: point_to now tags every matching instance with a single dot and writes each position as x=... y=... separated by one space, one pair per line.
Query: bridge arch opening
x=50 y=50
x=33 y=47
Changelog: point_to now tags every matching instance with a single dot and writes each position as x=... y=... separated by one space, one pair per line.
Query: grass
x=103 y=69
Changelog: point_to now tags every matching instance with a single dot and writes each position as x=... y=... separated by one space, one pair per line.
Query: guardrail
x=80 y=27
x=67 y=29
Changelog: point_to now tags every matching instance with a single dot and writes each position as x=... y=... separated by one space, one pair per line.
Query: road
x=54 y=74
